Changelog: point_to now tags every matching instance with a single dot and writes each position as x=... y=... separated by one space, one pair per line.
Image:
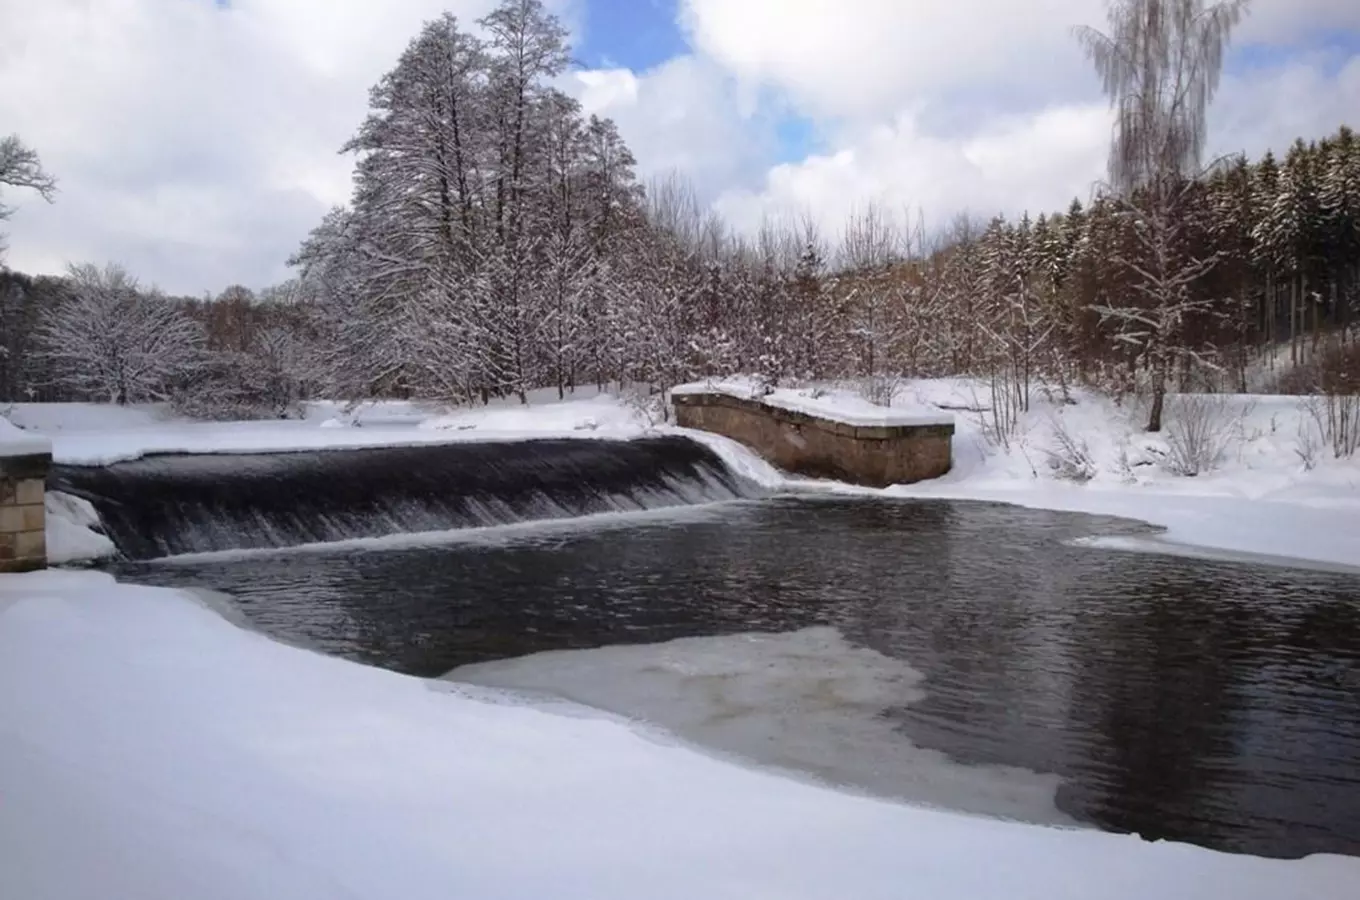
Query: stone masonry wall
x=23 y=518
x=875 y=456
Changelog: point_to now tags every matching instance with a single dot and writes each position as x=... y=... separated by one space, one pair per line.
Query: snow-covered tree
x=1159 y=65
x=21 y=168
x=112 y=341
x=1339 y=197
x=871 y=244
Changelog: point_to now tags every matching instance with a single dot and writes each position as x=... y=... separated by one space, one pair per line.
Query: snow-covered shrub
x=240 y=386
x=109 y=340
x=1309 y=443
x=1343 y=420
x=878 y=389
x=1124 y=465
x=1333 y=378
x=1337 y=416
x=1199 y=427
x=1069 y=457
x=999 y=416
x=651 y=409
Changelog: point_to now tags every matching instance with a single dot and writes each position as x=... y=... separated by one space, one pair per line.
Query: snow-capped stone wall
x=823 y=446
x=24 y=461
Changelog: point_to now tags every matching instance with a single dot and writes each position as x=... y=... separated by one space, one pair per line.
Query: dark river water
x=931 y=646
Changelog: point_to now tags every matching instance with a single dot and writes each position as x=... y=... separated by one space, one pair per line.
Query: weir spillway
x=168 y=505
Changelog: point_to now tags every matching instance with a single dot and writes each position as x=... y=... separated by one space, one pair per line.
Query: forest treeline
x=498 y=240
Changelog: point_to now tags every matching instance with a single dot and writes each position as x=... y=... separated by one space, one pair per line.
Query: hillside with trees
x=498 y=240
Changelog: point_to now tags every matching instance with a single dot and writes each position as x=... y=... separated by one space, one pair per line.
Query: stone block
x=875 y=455
x=11 y=519
x=9 y=489
x=34 y=517
x=29 y=545
x=29 y=491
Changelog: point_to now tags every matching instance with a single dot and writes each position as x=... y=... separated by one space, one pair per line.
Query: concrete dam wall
x=806 y=444
x=175 y=504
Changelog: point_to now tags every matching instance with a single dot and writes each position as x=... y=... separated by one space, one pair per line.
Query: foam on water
x=533 y=530
x=805 y=702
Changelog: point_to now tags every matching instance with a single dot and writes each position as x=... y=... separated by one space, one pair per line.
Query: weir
x=166 y=505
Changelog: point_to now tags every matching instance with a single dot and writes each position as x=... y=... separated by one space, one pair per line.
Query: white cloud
x=685 y=115
x=1034 y=162
x=198 y=145
x=1005 y=167
x=1308 y=97
x=1284 y=21
x=870 y=58
x=195 y=144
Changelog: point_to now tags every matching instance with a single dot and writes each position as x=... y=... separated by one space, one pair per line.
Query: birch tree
x=1159 y=66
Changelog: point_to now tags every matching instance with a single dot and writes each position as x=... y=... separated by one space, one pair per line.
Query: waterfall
x=166 y=505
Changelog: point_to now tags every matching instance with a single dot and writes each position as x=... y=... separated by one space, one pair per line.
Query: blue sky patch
x=633 y=34
x=1333 y=47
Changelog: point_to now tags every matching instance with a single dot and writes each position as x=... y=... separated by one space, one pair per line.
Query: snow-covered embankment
x=150 y=749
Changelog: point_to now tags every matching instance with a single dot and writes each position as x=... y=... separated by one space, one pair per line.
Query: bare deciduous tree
x=21 y=168
x=1159 y=66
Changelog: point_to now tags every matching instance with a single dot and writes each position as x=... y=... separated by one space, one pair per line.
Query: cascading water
x=174 y=504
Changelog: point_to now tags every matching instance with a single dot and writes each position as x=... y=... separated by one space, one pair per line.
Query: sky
x=196 y=141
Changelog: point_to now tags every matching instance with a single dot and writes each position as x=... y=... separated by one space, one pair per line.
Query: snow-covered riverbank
x=90 y=434
x=151 y=749
x=1274 y=491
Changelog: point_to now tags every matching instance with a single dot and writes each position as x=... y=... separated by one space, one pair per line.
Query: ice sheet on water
x=1161 y=545
x=806 y=701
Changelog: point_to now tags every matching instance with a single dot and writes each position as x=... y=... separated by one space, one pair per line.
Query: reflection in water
x=1211 y=702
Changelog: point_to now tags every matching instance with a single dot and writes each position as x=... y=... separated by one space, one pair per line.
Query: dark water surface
x=1217 y=703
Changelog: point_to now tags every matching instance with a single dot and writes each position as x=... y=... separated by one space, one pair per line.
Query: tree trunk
x=1294 y=321
x=1159 y=378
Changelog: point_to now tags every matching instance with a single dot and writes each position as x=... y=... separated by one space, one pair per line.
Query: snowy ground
x=151 y=749
x=15 y=441
x=91 y=434
x=1258 y=499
